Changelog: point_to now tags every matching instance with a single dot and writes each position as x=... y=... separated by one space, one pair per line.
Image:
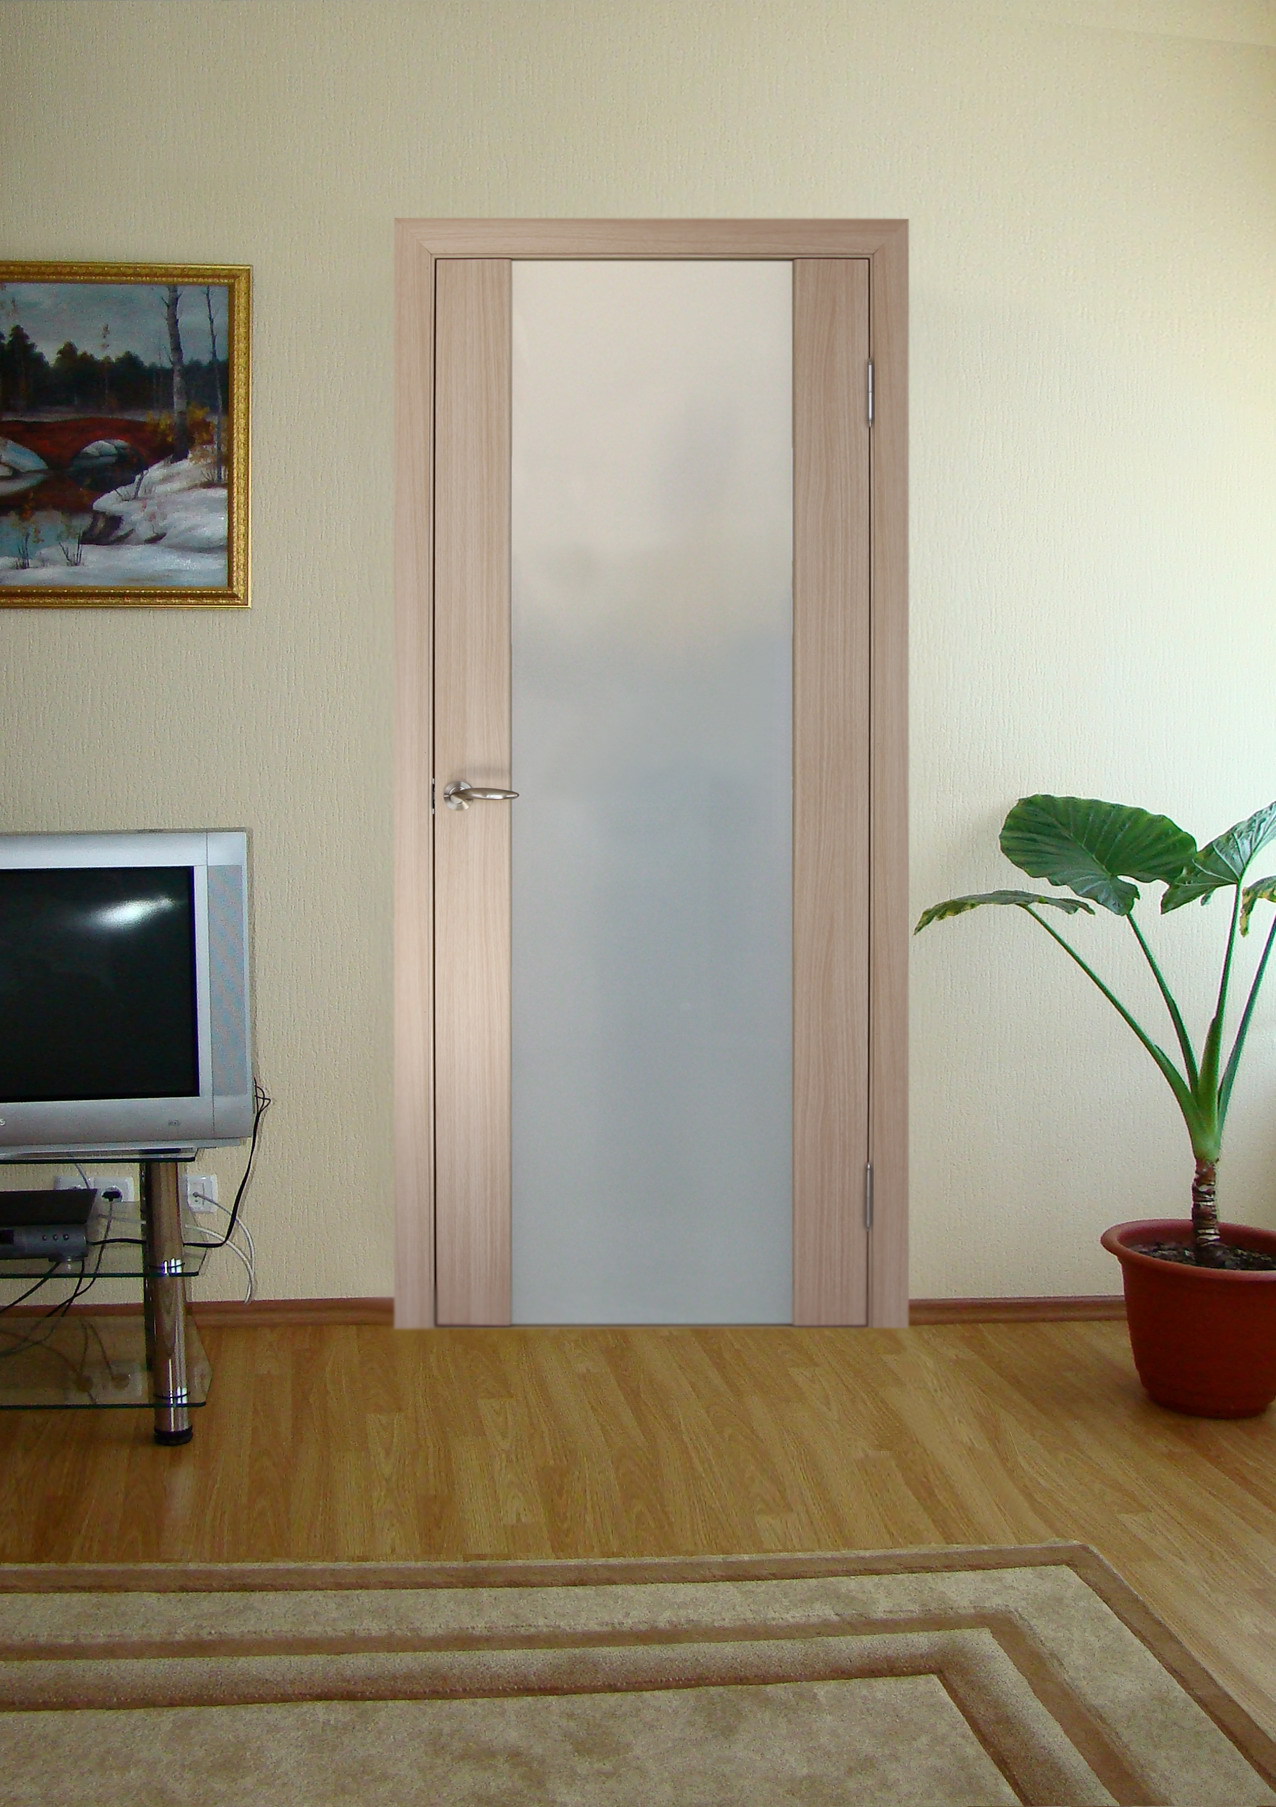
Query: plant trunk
x=1205 y=1236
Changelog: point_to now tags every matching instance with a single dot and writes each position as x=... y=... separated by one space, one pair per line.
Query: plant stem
x=1205 y=1233
x=1234 y=1061
x=1180 y=1027
x=1183 y=1093
x=1212 y=1049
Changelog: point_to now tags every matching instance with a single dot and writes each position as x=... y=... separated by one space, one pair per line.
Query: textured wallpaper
x=1093 y=220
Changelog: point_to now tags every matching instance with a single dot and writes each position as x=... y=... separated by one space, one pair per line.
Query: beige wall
x=1094 y=441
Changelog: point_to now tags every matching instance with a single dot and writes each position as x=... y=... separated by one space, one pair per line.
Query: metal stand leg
x=164 y=1298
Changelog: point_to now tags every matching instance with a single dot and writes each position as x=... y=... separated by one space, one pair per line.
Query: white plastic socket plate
x=201 y=1192
x=122 y=1185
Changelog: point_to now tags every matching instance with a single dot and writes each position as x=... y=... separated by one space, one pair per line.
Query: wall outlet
x=119 y=1189
x=201 y=1192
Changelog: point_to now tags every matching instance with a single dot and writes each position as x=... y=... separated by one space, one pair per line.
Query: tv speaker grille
x=229 y=1021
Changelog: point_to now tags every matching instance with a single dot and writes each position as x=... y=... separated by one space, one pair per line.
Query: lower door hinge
x=870 y=393
x=868 y=1195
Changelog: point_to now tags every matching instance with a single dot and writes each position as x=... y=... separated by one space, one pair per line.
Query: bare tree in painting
x=219 y=467
x=9 y=315
x=181 y=420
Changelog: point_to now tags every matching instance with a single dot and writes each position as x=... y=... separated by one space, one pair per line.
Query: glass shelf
x=56 y=1353
x=85 y=1360
x=114 y=1252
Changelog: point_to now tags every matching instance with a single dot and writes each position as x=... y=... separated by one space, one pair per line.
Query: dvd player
x=49 y=1225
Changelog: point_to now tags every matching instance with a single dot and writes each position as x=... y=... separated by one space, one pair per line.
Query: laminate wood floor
x=360 y=1443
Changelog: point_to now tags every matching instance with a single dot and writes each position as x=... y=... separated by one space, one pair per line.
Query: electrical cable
x=241 y=1228
x=56 y=1313
x=248 y=1256
x=54 y=1264
x=262 y=1101
x=52 y=1317
x=104 y=1192
x=233 y=1248
x=103 y=1241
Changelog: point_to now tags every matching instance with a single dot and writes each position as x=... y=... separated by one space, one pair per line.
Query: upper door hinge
x=870 y=392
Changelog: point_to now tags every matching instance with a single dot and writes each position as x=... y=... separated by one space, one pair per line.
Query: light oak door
x=595 y=930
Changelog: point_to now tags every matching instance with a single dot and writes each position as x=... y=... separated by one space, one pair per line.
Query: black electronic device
x=49 y=1225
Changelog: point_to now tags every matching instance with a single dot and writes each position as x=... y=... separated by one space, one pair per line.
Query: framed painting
x=124 y=435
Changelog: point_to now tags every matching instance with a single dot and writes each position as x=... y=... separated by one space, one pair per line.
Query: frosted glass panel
x=652 y=629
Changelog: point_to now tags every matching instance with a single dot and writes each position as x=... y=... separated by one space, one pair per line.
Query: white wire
x=240 y=1256
x=215 y=1204
x=249 y=1260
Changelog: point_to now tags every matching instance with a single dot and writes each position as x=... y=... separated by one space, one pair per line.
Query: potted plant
x=1200 y=1294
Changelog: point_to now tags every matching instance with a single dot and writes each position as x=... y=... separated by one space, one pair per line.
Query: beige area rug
x=902 y=1679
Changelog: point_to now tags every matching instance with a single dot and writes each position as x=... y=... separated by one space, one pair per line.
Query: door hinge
x=868 y=1195
x=870 y=392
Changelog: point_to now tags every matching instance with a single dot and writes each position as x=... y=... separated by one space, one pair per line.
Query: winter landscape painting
x=123 y=435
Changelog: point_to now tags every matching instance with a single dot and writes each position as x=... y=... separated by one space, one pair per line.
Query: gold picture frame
x=124 y=394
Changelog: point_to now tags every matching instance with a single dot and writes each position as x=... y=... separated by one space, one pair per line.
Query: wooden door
x=835 y=744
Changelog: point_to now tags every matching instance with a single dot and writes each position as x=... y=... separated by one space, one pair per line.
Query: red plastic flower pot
x=1204 y=1339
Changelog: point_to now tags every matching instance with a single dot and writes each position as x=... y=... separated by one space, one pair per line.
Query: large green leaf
x=1223 y=862
x=1094 y=848
x=1262 y=890
x=957 y=906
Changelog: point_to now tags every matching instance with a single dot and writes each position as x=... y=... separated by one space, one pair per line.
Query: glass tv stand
x=63 y=1355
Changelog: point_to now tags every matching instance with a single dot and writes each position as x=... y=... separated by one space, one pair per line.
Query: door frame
x=419 y=245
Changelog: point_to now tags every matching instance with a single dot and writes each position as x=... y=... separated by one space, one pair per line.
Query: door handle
x=461 y=793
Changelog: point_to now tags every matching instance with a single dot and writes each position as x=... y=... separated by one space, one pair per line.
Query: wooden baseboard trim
x=1096 y=1308
x=267 y=1314
x=259 y=1314
x=1047 y=1310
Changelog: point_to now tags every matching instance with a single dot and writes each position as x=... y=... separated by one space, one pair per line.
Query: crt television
x=124 y=993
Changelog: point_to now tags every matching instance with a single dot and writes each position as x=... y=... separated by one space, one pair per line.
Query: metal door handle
x=461 y=793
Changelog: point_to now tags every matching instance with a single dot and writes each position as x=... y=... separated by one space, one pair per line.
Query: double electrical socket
x=117 y=1188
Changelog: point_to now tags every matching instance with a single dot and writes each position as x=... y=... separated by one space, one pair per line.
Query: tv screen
x=97 y=984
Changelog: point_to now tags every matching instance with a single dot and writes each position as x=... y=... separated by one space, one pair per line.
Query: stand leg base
x=167 y=1438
